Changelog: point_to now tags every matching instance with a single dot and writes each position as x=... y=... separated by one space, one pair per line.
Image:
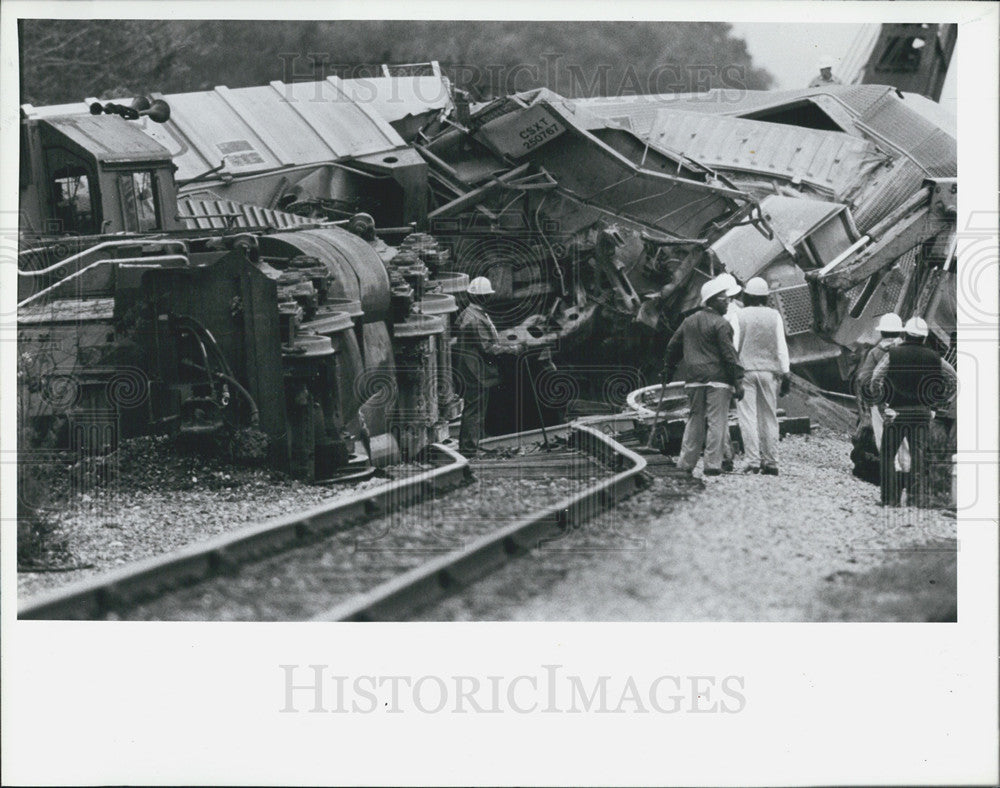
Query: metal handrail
x=130 y=261
x=182 y=245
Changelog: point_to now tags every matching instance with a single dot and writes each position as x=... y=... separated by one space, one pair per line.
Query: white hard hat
x=915 y=327
x=712 y=288
x=825 y=61
x=757 y=287
x=480 y=286
x=890 y=323
x=732 y=286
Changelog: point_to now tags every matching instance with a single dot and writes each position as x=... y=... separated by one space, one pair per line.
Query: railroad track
x=621 y=442
x=435 y=579
x=386 y=530
x=110 y=592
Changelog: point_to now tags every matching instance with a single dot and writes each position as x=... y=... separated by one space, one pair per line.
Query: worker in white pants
x=764 y=356
x=758 y=415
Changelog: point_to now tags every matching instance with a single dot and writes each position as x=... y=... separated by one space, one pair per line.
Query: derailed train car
x=597 y=221
x=842 y=198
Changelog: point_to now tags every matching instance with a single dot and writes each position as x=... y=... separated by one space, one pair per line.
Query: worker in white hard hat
x=476 y=342
x=890 y=327
x=826 y=76
x=733 y=290
x=712 y=376
x=913 y=381
x=767 y=375
x=867 y=437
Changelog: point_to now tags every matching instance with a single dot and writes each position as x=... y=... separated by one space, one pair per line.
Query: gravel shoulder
x=811 y=544
x=159 y=501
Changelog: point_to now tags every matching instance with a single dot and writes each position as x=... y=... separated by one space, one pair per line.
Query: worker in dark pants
x=713 y=376
x=867 y=438
x=476 y=341
x=913 y=381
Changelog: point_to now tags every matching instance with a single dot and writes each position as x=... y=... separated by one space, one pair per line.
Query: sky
x=791 y=52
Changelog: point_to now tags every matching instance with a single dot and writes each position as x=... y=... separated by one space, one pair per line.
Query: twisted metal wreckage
x=197 y=263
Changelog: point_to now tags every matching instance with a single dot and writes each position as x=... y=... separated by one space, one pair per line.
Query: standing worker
x=826 y=76
x=913 y=381
x=890 y=326
x=764 y=356
x=476 y=340
x=733 y=289
x=713 y=375
x=867 y=437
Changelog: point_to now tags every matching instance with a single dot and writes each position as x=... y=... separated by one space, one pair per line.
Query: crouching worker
x=913 y=381
x=713 y=375
x=476 y=342
x=764 y=356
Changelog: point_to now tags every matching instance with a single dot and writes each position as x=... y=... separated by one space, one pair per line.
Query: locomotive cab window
x=72 y=200
x=139 y=201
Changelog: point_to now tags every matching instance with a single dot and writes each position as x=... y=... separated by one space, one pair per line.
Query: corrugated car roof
x=110 y=138
x=909 y=122
x=276 y=125
x=262 y=128
x=827 y=159
x=640 y=110
x=907 y=125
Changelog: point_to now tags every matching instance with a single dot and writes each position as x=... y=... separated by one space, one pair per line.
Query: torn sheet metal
x=593 y=178
x=398 y=97
x=834 y=162
x=746 y=253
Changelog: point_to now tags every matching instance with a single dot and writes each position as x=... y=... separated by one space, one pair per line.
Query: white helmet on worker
x=712 y=288
x=757 y=287
x=732 y=286
x=825 y=61
x=915 y=327
x=480 y=286
x=890 y=323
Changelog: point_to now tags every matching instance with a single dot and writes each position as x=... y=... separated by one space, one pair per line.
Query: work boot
x=727 y=466
x=713 y=472
x=769 y=470
x=751 y=469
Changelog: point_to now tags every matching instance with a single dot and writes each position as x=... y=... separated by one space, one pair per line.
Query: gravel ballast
x=810 y=544
x=748 y=548
x=160 y=501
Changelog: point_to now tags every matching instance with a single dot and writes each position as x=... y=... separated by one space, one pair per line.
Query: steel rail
x=432 y=581
x=92 y=598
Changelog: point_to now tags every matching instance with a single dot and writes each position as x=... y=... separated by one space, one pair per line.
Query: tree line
x=69 y=60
